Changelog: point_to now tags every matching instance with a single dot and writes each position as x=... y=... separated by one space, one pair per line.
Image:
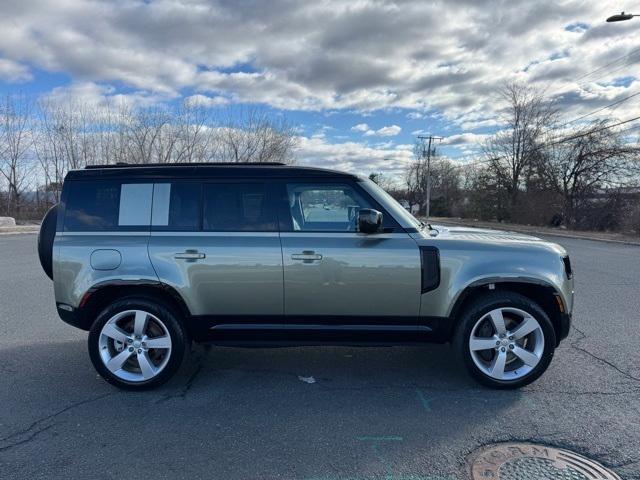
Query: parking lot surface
x=315 y=412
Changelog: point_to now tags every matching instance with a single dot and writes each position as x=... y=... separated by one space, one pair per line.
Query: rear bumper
x=72 y=317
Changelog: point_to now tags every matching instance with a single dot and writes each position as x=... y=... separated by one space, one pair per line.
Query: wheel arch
x=543 y=293
x=104 y=293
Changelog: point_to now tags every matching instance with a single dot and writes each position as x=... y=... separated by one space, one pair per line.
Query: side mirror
x=369 y=220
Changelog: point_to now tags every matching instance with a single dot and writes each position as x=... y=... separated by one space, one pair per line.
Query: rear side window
x=107 y=206
x=176 y=206
x=236 y=207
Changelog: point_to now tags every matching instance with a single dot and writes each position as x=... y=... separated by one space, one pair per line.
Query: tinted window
x=107 y=206
x=324 y=207
x=176 y=206
x=234 y=207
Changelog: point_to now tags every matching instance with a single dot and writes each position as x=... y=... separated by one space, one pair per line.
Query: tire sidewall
x=500 y=300
x=171 y=322
x=46 y=236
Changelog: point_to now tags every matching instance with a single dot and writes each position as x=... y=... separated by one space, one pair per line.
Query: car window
x=107 y=206
x=176 y=206
x=324 y=207
x=230 y=207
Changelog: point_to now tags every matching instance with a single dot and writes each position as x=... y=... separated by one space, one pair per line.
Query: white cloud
x=361 y=56
x=390 y=131
x=354 y=157
x=205 y=101
x=464 y=139
x=14 y=72
x=96 y=96
x=361 y=127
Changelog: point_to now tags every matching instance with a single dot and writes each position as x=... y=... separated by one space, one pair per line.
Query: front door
x=336 y=275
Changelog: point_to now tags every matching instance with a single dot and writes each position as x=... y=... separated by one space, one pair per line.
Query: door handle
x=307 y=256
x=189 y=255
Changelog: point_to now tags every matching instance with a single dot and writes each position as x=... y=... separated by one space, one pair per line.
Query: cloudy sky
x=358 y=79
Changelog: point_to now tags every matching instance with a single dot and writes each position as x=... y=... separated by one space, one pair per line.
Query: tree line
x=41 y=141
x=537 y=170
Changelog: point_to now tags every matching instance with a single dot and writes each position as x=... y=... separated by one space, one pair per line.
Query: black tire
x=45 y=240
x=171 y=320
x=486 y=303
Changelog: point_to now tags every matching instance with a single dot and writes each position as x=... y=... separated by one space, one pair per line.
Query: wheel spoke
x=498 y=321
x=526 y=327
x=159 y=342
x=526 y=356
x=146 y=367
x=140 y=324
x=479 y=343
x=116 y=362
x=111 y=330
x=497 y=367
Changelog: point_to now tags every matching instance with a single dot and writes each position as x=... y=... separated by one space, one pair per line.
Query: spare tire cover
x=45 y=240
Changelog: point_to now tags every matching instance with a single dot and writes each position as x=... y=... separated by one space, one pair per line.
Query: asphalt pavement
x=323 y=413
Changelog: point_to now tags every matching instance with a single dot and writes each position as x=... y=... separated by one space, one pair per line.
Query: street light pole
x=622 y=17
x=430 y=138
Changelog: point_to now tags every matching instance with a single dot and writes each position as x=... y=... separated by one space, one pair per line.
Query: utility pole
x=430 y=139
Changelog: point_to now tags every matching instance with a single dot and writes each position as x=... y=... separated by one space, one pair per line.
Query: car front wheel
x=506 y=340
x=137 y=344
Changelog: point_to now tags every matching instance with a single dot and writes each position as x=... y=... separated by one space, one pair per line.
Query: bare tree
x=446 y=184
x=512 y=152
x=15 y=142
x=251 y=136
x=594 y=157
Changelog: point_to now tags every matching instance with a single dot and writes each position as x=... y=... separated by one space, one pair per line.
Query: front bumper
x=565 y=326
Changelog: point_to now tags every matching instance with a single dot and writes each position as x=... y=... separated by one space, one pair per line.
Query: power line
x=603 y=67
x=574 y=137
x=605 y=74
x=558 y=142
x=623 y=57
x=590 y=132
x=602 y=108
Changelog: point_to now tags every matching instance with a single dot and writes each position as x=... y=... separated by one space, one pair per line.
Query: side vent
x=430 y=258
x=567 y=267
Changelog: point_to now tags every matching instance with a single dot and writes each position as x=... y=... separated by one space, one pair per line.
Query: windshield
x=391 y=204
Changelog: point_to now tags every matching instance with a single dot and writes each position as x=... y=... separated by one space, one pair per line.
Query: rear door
x=216 y=242
x=334 y=275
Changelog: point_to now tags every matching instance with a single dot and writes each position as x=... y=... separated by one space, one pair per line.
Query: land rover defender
x=148 y=258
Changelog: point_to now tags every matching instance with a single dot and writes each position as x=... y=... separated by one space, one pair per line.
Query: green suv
x=149 y=258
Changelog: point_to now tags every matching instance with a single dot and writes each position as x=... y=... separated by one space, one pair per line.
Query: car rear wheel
x=137 y=344
x=506 y=340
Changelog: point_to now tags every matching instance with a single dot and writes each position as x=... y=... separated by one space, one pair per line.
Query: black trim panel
x=308 y=330
x=202 y=171
x=72 y=317
x=565 y=326
x=430 y=261
x=320 y=327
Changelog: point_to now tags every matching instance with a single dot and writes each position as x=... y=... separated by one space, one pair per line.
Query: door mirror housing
x=369 y=220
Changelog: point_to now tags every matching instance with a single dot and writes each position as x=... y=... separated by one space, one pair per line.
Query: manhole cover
x=525 y=461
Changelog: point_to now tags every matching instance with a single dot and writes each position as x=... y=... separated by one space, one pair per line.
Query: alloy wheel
x=506 y=343
x=135 y=345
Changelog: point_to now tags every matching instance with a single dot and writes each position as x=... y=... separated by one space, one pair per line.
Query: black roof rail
x=193 y=164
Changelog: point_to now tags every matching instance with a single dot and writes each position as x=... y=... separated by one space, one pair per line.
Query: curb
x=538 y=232
x=19 y=230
